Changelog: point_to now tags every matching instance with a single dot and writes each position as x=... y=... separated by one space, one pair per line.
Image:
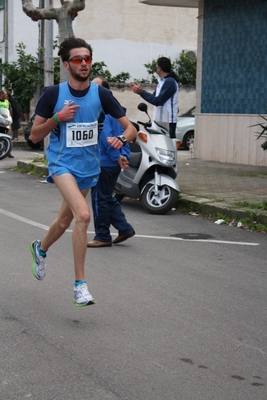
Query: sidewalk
x=233 y=190
x=212 y=187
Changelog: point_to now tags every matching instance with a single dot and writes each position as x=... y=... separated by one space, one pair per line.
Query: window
x=1 y=4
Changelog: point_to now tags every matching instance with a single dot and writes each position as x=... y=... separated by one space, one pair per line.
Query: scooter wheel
x=161 y=202
x=5 y=147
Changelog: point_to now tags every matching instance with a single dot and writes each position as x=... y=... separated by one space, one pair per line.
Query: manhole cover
x=192 y=236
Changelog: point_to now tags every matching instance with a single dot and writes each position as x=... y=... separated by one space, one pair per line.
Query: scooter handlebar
x=145 y=124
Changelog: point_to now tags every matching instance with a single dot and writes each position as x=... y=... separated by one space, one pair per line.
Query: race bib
x=81 y=134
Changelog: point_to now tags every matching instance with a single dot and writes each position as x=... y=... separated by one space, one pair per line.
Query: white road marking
x=197 y=240
x=45 y=227
x=22 y=219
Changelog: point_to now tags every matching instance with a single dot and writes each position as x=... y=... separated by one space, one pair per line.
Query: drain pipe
x=6 y=29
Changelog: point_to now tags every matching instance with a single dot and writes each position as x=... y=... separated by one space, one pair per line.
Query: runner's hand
x=68 y=111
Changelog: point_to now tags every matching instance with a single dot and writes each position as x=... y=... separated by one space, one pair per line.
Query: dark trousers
x=172 y=129
x=107 y=210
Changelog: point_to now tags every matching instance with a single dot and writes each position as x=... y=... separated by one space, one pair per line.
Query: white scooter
x=152 y=166
x=5 y=139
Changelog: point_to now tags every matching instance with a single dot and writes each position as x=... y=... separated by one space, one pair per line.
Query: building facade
x=125 y=34
x=231 y=87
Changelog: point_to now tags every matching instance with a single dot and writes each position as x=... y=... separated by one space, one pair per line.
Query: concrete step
x=20 y=143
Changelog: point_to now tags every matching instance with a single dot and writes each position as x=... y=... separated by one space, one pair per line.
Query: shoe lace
x=40 y=261
x=82 y=291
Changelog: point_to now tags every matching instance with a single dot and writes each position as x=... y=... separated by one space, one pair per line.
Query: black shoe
x=97 y=243
x=10 y=156
x=122 y=238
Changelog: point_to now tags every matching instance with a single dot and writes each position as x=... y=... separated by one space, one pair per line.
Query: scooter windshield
x=161 y=118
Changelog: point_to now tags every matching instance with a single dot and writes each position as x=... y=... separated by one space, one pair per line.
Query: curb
x=204 y=206
x=34 y=167
x=208 y=208
x=20 y=144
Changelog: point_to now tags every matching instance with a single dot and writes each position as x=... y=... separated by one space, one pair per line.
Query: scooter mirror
x=142 y=107
x=136 y=126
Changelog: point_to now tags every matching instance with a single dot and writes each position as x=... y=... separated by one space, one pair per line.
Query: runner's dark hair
x=72 y=43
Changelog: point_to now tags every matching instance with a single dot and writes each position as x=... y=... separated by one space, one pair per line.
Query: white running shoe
x=38 y=262
x=82 y=297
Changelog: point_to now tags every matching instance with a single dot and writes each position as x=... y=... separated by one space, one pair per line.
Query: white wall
x=21 y=29
x=125 y=34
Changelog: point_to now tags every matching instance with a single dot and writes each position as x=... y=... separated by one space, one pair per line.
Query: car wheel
x=188 y=139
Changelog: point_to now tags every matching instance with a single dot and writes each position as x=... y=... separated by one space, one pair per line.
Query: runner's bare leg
x=74 y=205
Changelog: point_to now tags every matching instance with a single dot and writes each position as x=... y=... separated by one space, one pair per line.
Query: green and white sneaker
x=38 y=262
x=82 y=297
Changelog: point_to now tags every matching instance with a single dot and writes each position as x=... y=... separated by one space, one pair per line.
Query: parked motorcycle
x=152 y=166
x=5 y=139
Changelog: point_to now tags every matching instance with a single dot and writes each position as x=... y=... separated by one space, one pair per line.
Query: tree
x=152 y=69
x=64 y=16
x=22 y=76
x=100 y=69
x=185 y=68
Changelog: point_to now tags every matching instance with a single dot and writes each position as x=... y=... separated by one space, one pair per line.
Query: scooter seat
x=134 y=147
x=135 y=159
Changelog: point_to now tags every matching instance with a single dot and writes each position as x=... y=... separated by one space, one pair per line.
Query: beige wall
x=126 y=34
x=229 y=139
x=134 y=21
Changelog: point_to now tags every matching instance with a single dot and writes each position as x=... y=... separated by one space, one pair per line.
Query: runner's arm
x=42 y=126
x=129 y=133
x=111 y=106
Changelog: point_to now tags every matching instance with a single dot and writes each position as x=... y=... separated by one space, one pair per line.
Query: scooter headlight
x=166 y=156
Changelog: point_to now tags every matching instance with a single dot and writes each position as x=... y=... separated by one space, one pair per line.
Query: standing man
x=15 y=113
x=5 y=104
x=106 y=208
x=166 y=93
x=70 y=111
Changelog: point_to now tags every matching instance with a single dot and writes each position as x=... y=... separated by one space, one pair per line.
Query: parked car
x=27 y=132
x=185 y=128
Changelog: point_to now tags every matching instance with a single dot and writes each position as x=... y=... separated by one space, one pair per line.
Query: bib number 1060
x=82 y=135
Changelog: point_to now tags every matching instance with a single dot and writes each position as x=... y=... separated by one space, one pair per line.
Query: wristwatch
x=122 y=139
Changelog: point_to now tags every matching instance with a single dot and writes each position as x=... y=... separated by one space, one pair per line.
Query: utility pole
x=40 y=45
x=6 y=38
x=48 y=58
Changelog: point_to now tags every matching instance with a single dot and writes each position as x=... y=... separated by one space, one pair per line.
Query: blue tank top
x=73 y=145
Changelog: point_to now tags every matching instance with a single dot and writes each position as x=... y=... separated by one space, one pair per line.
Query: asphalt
x=211 y=188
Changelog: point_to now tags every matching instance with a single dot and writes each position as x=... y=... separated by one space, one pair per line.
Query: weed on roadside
x=39 y=160
x=256 y=206
x=250 y=221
